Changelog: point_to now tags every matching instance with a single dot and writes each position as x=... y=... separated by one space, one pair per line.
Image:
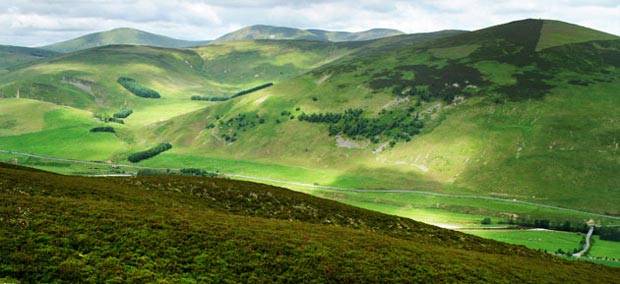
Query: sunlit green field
x=550 y=241
x=602 y=252
x=602 y=248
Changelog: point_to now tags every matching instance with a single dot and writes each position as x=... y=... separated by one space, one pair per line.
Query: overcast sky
x=40 y=22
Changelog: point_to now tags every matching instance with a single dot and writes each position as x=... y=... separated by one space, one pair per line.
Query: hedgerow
x=152 y=152
x=220 y=99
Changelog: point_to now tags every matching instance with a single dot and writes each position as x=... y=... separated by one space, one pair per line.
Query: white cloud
x=38 y=22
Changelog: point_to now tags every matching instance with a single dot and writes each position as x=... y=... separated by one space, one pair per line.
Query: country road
x=425 y=193
x=255 y=178
x=586 y=247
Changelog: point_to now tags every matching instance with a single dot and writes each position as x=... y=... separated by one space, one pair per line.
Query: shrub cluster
x=134 y=87
x=239 y=123
x=152 y=152
x=103 y=129
x=197 y=172
x=115 y=120
x=150 y=172
x=107 y=118
x=123 y=113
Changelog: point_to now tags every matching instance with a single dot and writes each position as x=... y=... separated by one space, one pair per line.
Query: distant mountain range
x=272 y=32
x=137 y=37
x=120 y=36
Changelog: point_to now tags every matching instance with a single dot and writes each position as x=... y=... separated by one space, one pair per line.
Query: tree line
x=152 y=152
x=135 y=88
x=244 y=92
x=605 y=233
x=608 y=233
x=182 y=172
x=210 y=99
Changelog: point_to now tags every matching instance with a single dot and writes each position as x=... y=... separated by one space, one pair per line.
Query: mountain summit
x=120 y=36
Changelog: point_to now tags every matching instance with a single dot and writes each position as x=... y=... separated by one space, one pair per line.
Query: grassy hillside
x=15 y=55
x=48 y=129
x=492 y=119
x=88 y=79
x=182 y=229
x=250 y=63
x=119 y=36
x=554 y=33
x=272 y=32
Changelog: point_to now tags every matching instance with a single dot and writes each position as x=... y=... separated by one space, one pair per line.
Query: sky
x=40 y=22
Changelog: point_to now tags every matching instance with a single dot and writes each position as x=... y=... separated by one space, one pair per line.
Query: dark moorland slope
x=65 y=229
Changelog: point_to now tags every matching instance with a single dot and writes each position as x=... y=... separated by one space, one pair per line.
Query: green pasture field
x=544 y=240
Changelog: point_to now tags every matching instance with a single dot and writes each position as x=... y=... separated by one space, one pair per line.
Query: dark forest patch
x=395 y=125
x=530 y=85
x=444 y=83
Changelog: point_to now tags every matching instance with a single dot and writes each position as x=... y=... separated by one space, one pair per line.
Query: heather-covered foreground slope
x=184 y=229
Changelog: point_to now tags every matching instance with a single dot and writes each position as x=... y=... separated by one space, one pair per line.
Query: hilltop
x=272 y=32
x=119 y=36
x=136 y=230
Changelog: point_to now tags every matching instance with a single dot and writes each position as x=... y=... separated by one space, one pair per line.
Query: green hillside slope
x=497 y=117
x=181 y=229
x=88 y=79
x=554 y=33
x=119 y=36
